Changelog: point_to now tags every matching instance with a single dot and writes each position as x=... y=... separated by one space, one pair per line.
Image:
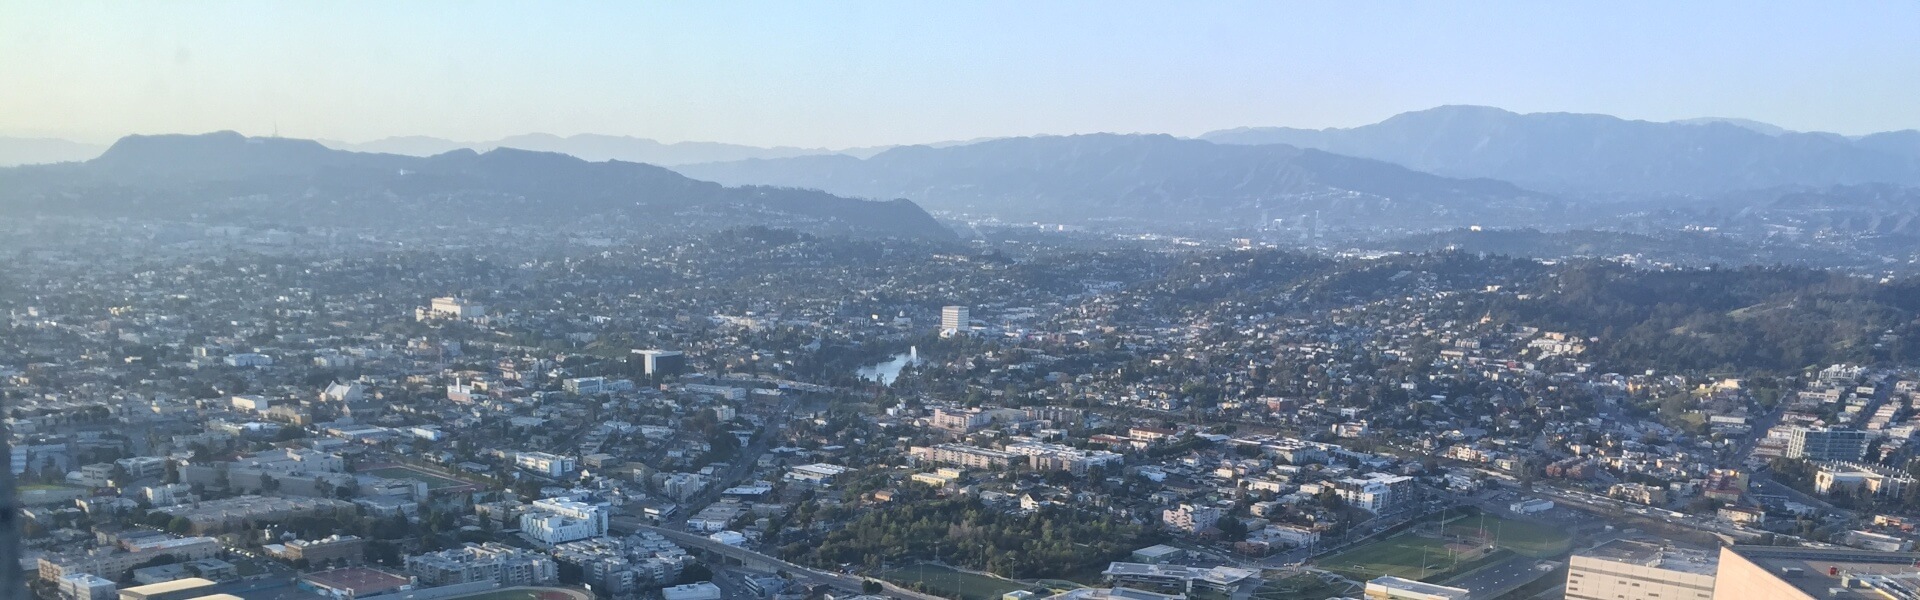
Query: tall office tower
x=953 y=319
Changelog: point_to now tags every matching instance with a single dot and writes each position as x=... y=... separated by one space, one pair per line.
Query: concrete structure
x=960 y=420
x=955 y=319
x=662 y=362
x=1174 y=577
x=1395 y=588
x=1853 y=478
x=704 y=590
x=115 y=564
x=1788 y=573
x=550 y=465
x=494 y=562
x=84 y=586
x=1190 y=518
x=1158 y=554
x=564 y=519
x=178 y=589
x=1374 y=492
x=1629 y=570
x=452 y=308
x=354 y=582
x=343 y=550
x=1823 y=444
x=962 y=455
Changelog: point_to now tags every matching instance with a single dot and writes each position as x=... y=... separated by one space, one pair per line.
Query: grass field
x=1401 y=556
x=1523 y=538
x=434 y=482
x=942 y=581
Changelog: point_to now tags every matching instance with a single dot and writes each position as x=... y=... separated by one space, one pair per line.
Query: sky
x=843 y=74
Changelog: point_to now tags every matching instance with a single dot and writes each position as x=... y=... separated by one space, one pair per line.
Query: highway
x=756 y=560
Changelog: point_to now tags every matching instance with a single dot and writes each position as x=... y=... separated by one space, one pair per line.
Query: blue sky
x=864 y=73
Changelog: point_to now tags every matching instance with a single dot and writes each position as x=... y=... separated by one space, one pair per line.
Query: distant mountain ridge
x=1143 y=177
x=36 y=151
x=230 y=176
x=1586 y=153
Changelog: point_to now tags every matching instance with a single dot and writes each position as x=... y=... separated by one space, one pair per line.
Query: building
x=955 y=319
x=1375 y=492
x=661 y=363
x=1793 y=573
x=86 y=586
x=248 y=359
x=251 y=403
x=354 y=582
x=1629 y=570
x=1177 y=578
x=564 y=519
x=1531 y=506
x=1114 y=593
x=491 y=562
x=341 y=550
x=1158 y=554
x=550 y=465
x=622 y=566
x=1395 y=588
x=451 y=308
x=1823 y=444
x=704 y=590
x=595 y=385
x=962 y=455
x=1043 y=456
x=114 y=564
x=960 y=420
x=178 y=589
x=1854 y=478
x=1190 y=518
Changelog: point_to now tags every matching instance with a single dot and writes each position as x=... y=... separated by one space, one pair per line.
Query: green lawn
x=1524 y=538
x=1400 y=556
x=942 y=581
x=434 y=482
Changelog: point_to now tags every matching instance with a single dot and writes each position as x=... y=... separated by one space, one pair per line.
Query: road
x=737 y=472
x=1499 y=578
x=753 y=559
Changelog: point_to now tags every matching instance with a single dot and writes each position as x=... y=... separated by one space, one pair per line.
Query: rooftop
x=1826 y=573
x=1658 y=556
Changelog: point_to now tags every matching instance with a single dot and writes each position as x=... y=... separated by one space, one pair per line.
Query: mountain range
x=228 y=177
x=1156 y=178
x=1600 y=155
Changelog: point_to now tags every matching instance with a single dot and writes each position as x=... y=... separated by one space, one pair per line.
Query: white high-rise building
x=954 y=319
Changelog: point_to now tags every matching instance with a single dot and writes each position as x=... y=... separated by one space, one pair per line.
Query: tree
x=694 y=573
x=871 y=587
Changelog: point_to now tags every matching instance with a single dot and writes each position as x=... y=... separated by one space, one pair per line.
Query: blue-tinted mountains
x=1586 y=154
x=228 y=177
x=1154 y=178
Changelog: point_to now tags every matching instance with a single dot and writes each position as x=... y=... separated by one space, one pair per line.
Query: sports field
x=434 y=482
x=1405 y=555
x=942 y=581
x=1523 y=538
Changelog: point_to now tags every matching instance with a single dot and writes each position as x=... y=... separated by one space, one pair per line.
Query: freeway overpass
x=756 y=560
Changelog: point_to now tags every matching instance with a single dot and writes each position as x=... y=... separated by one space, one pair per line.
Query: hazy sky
x=844 y=74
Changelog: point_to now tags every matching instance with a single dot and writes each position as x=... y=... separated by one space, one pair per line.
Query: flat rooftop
x=1418 y=587
x=1697 y=561
x=1820 y=572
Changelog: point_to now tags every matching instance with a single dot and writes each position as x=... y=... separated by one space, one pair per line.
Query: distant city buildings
x=489 y=562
